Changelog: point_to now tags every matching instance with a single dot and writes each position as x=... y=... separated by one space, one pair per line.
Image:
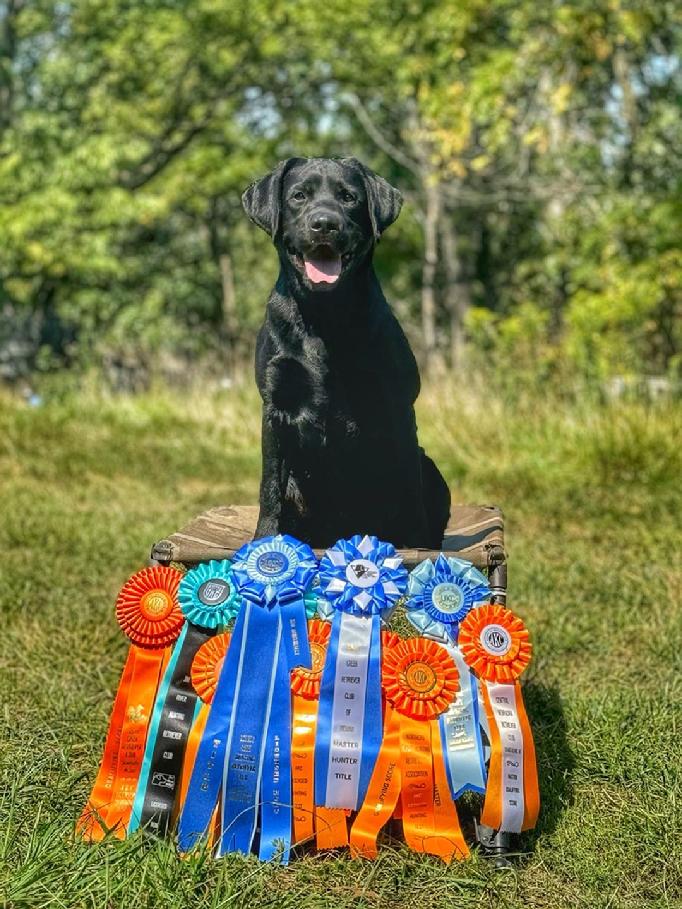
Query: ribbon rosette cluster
x=441 y=593
x=361 y=580
x=245 y=746
x=496 y=645
x=420 y=681
x=208 y=600
x=147 y=611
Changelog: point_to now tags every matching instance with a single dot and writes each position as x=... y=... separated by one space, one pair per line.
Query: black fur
x=337 y=376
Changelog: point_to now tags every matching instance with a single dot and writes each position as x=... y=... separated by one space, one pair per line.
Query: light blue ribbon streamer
x=465 y=765
x=276 y=801
x=207 y=773
x=257 y=661
x=161 y=695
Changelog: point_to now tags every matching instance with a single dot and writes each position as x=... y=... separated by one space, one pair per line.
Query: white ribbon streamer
x=348 y=711
x=503 y=704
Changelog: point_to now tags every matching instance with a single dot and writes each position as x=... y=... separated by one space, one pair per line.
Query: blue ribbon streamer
x=257 y=660
x=465 y=771
x=276 y=798
x=323 y=734
x=207 y=773
x=373 y=728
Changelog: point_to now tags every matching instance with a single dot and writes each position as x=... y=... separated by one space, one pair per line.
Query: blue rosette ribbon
x=245 y=748
x=440 y=596
x=272 y=576
x=361 y=580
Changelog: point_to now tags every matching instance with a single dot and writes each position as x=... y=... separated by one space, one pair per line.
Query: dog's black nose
x=325 y=223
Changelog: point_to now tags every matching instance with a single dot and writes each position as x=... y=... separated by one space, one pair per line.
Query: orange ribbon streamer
x=420 y=681
x=111 y=801
x=147 y=611
x=328 y=825
x=496 y=644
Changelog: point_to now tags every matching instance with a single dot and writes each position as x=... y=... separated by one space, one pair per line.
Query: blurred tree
x=537 y=146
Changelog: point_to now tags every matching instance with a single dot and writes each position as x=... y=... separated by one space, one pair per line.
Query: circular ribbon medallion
x=207 y=664
x=306 y=682
x=495 y=643
x=420 y=678
x=363 y=576
x=273 y=567
x=441 y=593
x=207 y=594
x=362 y=573
x=147 y=608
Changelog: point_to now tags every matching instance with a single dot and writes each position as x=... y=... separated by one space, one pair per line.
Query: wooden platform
x=474 y=532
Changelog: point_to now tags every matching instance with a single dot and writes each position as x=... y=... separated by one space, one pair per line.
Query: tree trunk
x=230 y=321
x=429 y=267
x=457 y=289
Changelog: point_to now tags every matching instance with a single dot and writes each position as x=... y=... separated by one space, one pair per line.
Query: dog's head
x=323 y=215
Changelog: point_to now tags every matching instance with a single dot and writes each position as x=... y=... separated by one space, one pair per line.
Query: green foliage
x=128 y=132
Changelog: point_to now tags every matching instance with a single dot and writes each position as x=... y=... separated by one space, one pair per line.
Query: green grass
x=592 y=499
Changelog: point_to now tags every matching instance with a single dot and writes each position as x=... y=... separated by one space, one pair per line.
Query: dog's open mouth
x=322 y=265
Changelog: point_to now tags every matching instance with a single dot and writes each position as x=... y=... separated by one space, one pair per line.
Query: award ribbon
x=420 y=680
x=496 y=645
x=361 y=579
x=207 y=600
x=204 y=675
x=441 y=595
x=195 y=823
x=272 y=575
x=328 y=825
x=147 y=611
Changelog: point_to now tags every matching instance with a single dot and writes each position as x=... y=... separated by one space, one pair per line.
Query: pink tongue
x=322 y=270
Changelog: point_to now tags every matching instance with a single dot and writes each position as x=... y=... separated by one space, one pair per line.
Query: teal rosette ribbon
x=208 y=596
x=361 y=580
x=272 y=576
x=441 y=593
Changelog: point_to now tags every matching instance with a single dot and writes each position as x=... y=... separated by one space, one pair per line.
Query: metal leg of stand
x=496 y=844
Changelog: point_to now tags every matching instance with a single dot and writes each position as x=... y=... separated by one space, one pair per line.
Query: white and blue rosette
x=272 y=576
x=440 y=596
x=361 y=580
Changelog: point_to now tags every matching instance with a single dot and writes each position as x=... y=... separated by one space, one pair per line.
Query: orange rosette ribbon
x=420 y=681
x=328 y=825
x=148 y=612
x=496 y=645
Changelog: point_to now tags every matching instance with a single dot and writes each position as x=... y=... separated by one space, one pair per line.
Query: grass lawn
x=593 y=501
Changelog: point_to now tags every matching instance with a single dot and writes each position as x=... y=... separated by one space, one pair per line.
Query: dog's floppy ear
x=262 y=200
x=383 y=200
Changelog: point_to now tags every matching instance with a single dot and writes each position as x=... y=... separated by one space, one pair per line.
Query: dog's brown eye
x=299 y=196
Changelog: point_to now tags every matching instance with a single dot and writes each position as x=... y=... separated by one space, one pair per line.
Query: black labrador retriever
x=336 y=373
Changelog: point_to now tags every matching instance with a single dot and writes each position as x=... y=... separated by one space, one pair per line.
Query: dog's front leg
x=273 y=481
